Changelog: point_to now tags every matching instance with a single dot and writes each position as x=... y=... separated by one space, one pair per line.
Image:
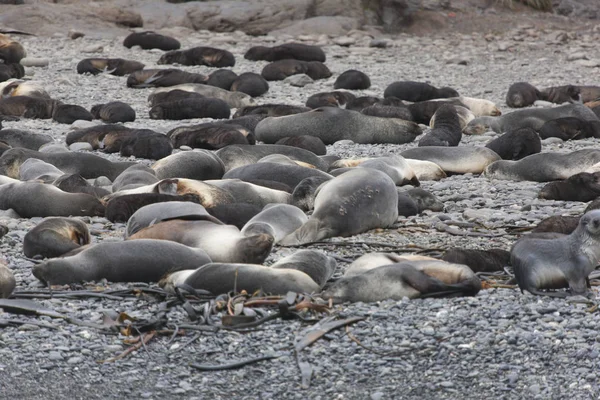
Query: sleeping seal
x=151 y=40
x=582 y=187
x=296 y=51
x=544 y=167
x=564 y=262
x=7 y=280
x=127 y=261
x=54 y=237
x=417 y=91
x=332 y=124
x=233 y=99
x=514 y=145
x=412 y=279
x=352 y=203
x=276 y=220
x=235 y=156
x=202 y=55
x=319 y=266
x=455 y=160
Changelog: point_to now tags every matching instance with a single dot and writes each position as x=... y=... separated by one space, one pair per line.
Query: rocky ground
x=499 y=344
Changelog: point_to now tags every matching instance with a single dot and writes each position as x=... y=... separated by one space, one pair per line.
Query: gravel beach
x=500 y=344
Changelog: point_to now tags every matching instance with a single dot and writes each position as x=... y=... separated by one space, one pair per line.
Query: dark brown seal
x=209 y=56
x=162 y=78
x=279 y=70
x=558 y=224
x=11 y=71
x=222 y=78
x=112 y=66
x=190 y=108
x=208 y=136
x=417 y=91
x=151 y=40
x=121 y=208
x=296 y=51
x=446 y=130
x=582 y=187
x=306 y=142
x=516 y=144
x=352 y=80
x=54 y=237
x=250 y=83
x=113 y=112
x=329 y=99
x=11 y=52
x=493 y=260
x=570 y=128
x=522 y=94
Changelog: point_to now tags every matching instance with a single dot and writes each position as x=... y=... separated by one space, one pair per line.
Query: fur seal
x=24 y=139
x=291 y=175
x=276 y=220
x=31 y=199
x=566 y=261
x=198 y=164
x=233 y=99
x=352 y=203
x=417 y=91
x=570 y=128
x=202 y=55
x=426 y=170
x=134 y=176
x=121 y=208
x=220 y=278
x=558 y=224
x=333 y=124
x=246 y=192
x=424 y=200
x=11 y=71
x=529 y=118
x=396 y=167
x=112 y=66
x=516 y=144
x=352 y=80
x=19 y=87
x=306 y=142
x=98 y=136
x=235 y=156
x=304 y=193
x=144 y=143
x=191 y=108
x=338 y=98
x=7 y=281
x=563 y=94
x=380 y=110
x=37 y=170
x=412 y=279
x=582 y=187
x=544 y=167
x=369 y=261
x=151 y=40
x=11 y=51
x=493 y=260
x=126 y=261
x=222 y=243
x=446 y=131
x=270 y=110
x=296 y=51
x=54 y=237
x=113 y=112
x=279 y=70
x=87 y=165
x=73 y=183
x=319 y=266
x=163 y=78
x=222 y=78
x=250 y=83
x=236 y=214
x=174 y=95
x=455 y=160
x=69 y=113
x=209 y=136
x=522 y=94
x=28 y=107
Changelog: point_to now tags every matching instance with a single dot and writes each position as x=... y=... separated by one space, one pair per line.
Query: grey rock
x=299 y=80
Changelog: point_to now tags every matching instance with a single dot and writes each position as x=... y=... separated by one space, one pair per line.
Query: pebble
x=298 y=80
x=34 y=62
x=81 y=146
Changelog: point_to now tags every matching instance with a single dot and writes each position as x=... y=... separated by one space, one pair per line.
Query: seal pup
x=493 y=260
x=219 y=278
x=202 y=55
x=564 y=262
x=142 y=260
x=121 y=208
x=250 y=83
x=516 y=144
x=11 y=51
x=209 y=136
x=522 y=94
x=25 y=139
x=18 y=87
x=424 y=199
x=354 y=202
x=198 y=164
x=558 y=224
x=222 y=78
x=113 y=112
x=235 y=156
x=112 y=66
x=222 y=243
x=276 y=220
x=352 y=80
x=306 y=142
x=191 y=108
x=296 y=51
x=54 y=237
x=87 y=165
x=454 y=160
x=304 y=193
x=319 y=266
x=570 y=128
x=151 y=40
x=529 y=118
x=32 y=199
x=339 y=98
x=163 y=78
x=582 y=187
x=412 y=279
x=334 y=124
x=417 y=91
x=144 y=143
x=279 y=70
x=446 y=131
x=7 y=280
x=544 y=167
x=69 y=113
x=11 y=71
x=233 y=99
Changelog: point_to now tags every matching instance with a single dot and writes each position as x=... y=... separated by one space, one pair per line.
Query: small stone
x=74 y=360
x=55 y=356
x=588 y=63
x=379 y=43
x=377 y=396
x=102 y=181
x=82 y=124
x=185 y=148
x=95 y=48
x=535 y=389
x=447 y=384
x=79 y=146
x=504 y=46
x=299 y=80
x=428 y=330
x=34 y=62
x=344 y=41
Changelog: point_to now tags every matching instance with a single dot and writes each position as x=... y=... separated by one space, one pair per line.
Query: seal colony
x=259 y=175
